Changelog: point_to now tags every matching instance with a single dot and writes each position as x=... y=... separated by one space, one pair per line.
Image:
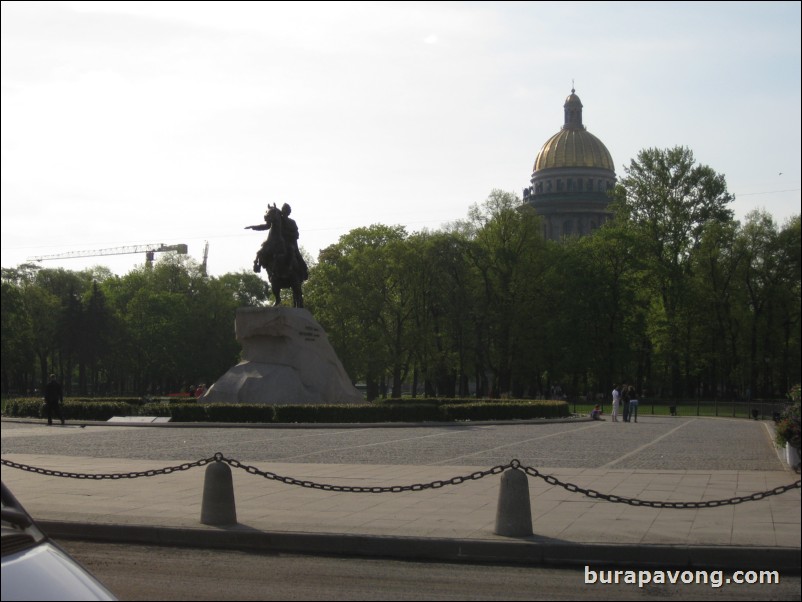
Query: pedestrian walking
x=54 y=397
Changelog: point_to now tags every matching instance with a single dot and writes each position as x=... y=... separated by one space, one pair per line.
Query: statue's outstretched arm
x=259 y=227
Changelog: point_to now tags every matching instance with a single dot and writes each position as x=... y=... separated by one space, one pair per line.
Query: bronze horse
x=279 y=258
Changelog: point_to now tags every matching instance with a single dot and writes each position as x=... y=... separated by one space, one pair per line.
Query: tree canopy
x=672 y=295
x=154 y=330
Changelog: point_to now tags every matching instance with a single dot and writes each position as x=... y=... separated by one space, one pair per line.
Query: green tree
x=508 y=253
x=54 y=305
x=355 y=291
x=17 y=339
x=99 y=325
x=669 y=200
x=790 y=300
x=770 y=276
x=718 y=308
x=446 y=313
x=246 y=288
x=595 y=292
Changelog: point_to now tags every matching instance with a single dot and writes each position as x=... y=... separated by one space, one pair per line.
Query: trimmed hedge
x=134 y=401
x=23 y=407
x=99 y=410
x=231 y=412
x=426 y=410
x=505 y=410
x=178 y=412
x=441 y=401
x=357 y=413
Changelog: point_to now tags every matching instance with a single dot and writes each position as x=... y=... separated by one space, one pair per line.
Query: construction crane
x=148 y=250
x=205 y=257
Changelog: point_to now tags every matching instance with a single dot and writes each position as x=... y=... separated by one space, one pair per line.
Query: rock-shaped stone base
x=287 y=359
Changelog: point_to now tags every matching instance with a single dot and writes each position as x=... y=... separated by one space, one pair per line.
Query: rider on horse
x=279 y=254
x=290 y=232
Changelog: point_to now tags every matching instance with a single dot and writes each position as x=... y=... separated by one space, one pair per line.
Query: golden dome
x=573 y=147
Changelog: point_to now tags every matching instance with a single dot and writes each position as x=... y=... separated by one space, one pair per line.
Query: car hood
x=45 y=572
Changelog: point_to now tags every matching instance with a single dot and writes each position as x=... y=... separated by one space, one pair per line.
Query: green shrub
x=228 y=412
x=425 y=410
x=24 y=407
x=419 y=412
x=96 y=410
x=787 y=429
x=505 y=410
x=163 y=410
x=32 y=407
x=129 y=400
x=438 y=401
x=325 y=413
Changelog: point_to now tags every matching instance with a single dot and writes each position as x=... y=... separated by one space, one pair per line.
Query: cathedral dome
x=572 y=178
x=573 y=147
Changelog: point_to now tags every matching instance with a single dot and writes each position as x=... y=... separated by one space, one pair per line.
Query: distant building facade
x=572 y=176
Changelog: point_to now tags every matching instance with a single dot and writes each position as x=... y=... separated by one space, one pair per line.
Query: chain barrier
x=475 y=476
x=112 y=476
x=617 y=499
x=392 y=489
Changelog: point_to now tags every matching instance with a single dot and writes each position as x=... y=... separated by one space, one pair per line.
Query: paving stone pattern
x=662 y=443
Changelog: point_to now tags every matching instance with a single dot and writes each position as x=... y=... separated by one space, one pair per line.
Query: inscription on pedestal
x=310 y=333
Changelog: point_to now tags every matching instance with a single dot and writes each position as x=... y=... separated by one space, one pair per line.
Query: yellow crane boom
x=149 y=250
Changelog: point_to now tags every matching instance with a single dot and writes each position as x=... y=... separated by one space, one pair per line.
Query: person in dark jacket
x=625 y=397
x=54 y=397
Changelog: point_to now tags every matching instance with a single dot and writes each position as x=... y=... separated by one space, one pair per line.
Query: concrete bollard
x=514 y=514
x=218 y=506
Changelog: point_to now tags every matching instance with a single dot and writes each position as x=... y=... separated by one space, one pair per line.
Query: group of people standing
x=625 y=395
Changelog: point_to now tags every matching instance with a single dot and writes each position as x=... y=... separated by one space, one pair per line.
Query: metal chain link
x=389 y=489
x=112 y=476
x=617 y=499
x=475 y=476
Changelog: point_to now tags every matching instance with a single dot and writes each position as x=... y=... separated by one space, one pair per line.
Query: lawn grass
x=725 y=409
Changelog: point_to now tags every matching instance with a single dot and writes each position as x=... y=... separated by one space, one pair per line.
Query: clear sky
x=126 y=123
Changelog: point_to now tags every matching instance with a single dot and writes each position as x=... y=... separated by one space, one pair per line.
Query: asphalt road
x=655 y=442
x=160 y=573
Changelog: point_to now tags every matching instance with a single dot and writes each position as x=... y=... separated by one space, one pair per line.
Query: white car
x=34 y=567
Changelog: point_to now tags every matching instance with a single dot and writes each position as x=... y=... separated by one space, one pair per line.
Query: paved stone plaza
x=663 y=459
x=655 y=442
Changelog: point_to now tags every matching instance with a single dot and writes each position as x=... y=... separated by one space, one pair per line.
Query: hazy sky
x=126 y=123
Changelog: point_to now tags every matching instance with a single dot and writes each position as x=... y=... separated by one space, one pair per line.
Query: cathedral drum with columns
x=572 y=178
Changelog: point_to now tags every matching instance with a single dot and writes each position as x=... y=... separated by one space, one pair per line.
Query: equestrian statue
x=279 y=254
